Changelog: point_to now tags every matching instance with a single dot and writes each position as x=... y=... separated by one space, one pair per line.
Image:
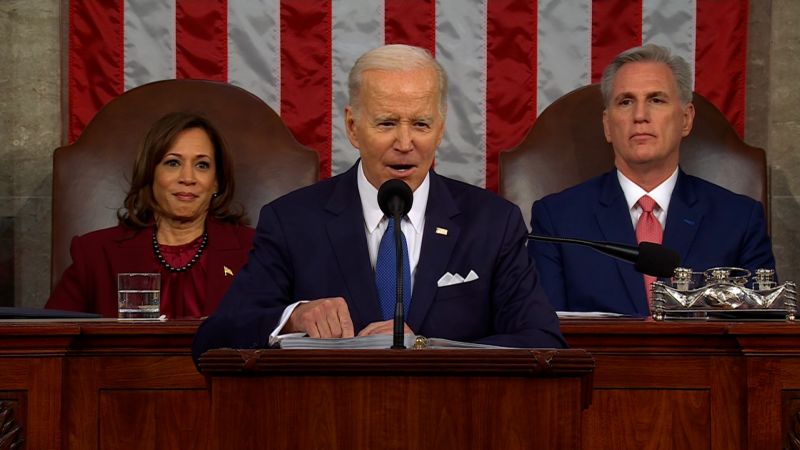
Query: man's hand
x=323 y=318
x=384 y=327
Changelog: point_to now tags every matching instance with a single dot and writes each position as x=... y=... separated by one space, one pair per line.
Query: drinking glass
x=139 y=295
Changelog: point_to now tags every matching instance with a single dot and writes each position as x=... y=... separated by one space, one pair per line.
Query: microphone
x=395 y=199
x=648 y=258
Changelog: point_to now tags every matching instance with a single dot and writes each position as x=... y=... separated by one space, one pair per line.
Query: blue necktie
x=386 y=273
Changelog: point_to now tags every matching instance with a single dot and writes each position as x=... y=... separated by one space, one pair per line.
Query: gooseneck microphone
x=648 y=258
x=395 y=199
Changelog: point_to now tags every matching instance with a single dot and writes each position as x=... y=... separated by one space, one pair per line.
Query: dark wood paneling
x=153 y=419
x=743 y=367
x=648 y=419
x=749 y=374
x=790 y=407
x=12 y=419
x=391 y=412
x=34 y=384
x=63 y=370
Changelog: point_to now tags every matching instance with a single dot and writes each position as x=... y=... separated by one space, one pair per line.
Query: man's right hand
x=323 y=318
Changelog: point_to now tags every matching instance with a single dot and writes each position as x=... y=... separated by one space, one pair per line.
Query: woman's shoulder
x=104 y=235
x=242 y=232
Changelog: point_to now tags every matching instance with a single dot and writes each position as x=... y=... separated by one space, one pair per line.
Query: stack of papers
x=587 y=314
x=377 y=341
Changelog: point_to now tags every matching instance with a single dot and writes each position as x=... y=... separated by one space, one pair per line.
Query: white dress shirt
x=661 y=194
x=375 y=222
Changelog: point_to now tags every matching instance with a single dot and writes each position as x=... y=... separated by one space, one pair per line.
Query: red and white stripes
x=507 y=59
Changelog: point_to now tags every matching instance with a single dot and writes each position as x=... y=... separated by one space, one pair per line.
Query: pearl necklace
x=188 y=265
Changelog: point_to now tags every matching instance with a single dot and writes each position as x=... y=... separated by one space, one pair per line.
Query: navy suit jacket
x=312 y=244
x=709 y=227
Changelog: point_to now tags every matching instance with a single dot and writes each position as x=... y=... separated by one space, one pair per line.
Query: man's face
x=398 y=125
x=645 y=120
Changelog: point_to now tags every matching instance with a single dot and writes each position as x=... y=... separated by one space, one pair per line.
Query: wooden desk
x=103 y=384
x=682 y=385
x=656 y=385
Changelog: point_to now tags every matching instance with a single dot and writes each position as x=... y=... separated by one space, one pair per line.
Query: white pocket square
x=448 y=279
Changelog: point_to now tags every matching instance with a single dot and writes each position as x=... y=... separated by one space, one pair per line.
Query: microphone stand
x=620 y=251
x=397 y=341
x=648 y=258
x=395 y=198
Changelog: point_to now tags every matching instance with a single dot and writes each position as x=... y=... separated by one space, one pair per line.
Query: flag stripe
x=149 y=41
x=461 y=50
x=201 y=39
x=510 y=80
x=417 y=29
x=616 y=26
x=95 y=66
x=670 y=23
x=306 y=75
x=507 y=59
x=254 y=44
x=562 y=48
x=722 y=57
x=358 y=25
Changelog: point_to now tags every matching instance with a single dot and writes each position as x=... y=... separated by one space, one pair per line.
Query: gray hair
x=650 y=53
x=395 y=57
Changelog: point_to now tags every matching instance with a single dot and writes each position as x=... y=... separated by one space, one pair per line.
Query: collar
x=661 y=193
x=372 y=212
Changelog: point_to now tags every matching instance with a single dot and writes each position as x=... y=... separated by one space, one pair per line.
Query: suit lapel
x=614 y=220
x=436 y=249
x=683 y=217
x=346 y=233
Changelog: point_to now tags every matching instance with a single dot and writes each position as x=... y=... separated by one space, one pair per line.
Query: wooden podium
x=397 y=399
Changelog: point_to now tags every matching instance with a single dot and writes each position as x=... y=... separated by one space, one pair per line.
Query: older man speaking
x=313 y=265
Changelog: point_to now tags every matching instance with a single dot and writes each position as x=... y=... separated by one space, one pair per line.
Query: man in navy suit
x=311 y=269
x=647 y=94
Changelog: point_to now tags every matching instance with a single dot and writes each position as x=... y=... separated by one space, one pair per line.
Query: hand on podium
x=330 y=318
x=322 y=318
x=383 y=327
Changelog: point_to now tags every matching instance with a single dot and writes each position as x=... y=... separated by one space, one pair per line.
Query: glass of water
x=138 y=295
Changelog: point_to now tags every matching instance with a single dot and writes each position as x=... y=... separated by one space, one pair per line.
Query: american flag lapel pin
x=442 y=231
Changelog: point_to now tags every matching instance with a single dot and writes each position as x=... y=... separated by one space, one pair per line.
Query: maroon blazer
x=90 y=283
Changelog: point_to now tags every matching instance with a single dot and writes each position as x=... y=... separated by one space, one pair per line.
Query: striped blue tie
x=386 y=273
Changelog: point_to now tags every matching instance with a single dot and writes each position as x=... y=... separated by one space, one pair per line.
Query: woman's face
x=186 y=177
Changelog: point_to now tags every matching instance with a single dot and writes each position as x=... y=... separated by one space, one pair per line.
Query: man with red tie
x=647 y=93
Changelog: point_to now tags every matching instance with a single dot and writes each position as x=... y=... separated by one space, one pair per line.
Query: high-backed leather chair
x=91 y=176
x=566 y=146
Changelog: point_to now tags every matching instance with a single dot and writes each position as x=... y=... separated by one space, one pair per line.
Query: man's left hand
x=384 y=327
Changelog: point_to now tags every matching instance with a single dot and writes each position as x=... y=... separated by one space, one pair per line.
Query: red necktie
x=648 y=229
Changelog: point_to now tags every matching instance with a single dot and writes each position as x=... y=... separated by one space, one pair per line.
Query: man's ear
x=688 y=119
x=350 y=126
x=606 y=132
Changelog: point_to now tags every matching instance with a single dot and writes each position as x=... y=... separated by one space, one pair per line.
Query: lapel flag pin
x=228 y=271
x=442 y=231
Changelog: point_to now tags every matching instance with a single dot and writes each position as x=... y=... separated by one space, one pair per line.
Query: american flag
x=507 y=59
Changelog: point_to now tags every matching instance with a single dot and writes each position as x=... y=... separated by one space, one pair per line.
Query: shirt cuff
x=275 y=337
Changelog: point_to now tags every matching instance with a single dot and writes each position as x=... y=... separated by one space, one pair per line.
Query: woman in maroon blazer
x=177 y=220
